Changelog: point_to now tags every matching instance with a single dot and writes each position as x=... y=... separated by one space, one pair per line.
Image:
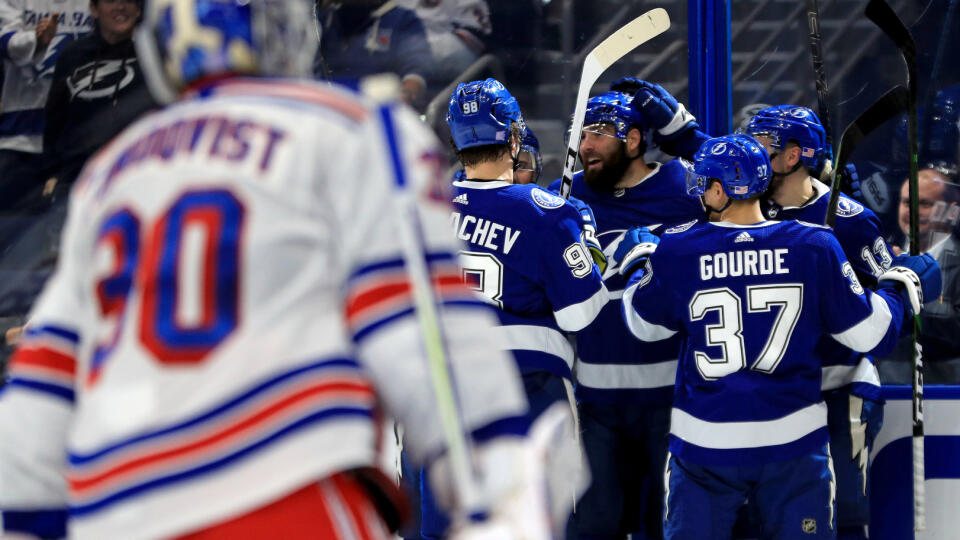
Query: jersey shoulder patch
x=545 y=199
x=848 y=207
x=681 y=228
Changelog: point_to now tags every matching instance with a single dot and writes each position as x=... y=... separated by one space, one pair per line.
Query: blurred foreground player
x=753 y=298
x=232 y=307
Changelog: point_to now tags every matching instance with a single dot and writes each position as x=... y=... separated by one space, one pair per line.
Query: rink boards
x=891 y=490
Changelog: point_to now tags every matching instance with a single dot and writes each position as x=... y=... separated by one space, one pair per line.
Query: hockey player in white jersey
x=752 y=298
x=233 y=307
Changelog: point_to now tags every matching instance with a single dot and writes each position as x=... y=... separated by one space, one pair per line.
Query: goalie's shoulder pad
x=681 y=228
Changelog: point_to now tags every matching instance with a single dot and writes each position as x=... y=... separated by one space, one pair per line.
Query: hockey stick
x=886 y=19
x=890 y=105
x=816 y=52
x=385 y=89
x=631 y=35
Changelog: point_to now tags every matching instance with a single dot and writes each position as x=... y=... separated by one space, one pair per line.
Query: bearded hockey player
x=232 y=309
x=753 y=298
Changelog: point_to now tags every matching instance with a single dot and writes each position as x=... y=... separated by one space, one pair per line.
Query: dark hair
x=476 y=155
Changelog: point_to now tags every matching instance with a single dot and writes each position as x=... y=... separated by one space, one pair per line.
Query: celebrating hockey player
x=794 y=138
x=753 y=298
x=624 y=386
x=529 y=160
x=229 y=314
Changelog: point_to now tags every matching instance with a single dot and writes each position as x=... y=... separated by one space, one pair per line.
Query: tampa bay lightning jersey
x=612 y=365
x=858 y=230
x=525 y=255
x=751 y=303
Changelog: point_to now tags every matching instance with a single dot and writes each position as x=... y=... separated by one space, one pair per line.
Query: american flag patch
x=807 y=152
x=740 y=190
x=501 y=135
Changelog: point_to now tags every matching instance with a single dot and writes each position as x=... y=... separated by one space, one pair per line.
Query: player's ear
x=792 y=156
x=634 y=142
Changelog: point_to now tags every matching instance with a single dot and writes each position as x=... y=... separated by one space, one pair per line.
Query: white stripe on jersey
x=734 y=435
x=575 y=317
x=866 y=334
x=640 y=327
x=834 y=377
x=527 y=337
x=627 y=376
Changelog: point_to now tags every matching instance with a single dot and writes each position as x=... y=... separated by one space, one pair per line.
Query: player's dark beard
x=610 y=172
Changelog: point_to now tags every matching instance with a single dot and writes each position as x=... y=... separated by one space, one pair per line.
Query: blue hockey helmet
x=481 y=113
x=181 y=42
x=530 y=145
x=739 y=162
x=785 y=123
x=612 y=108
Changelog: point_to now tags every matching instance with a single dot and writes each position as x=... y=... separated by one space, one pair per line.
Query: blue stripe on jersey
x=50 y=523
x=55 y=390
x=58 y=331
x=214 y=415
x=80 y=510
x=5 y=43
x=363 y=332
x=26 y=122
x=398 y=263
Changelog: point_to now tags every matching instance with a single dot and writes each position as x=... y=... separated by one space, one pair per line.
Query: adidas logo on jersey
x=461 y=199
x=743 y=237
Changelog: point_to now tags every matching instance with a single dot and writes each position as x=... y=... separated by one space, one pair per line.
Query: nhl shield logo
x=809 y=526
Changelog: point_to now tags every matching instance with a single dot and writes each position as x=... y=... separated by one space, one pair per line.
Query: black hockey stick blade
x=887 y=20
x=892 y=104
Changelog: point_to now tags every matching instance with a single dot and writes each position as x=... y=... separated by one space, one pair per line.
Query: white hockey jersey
x=230 y=308
x=28 y=70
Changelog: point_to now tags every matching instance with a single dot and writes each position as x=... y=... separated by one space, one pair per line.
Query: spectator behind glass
x=32 y=34
x=363 y=37
x=935 y=204
x=455 y=30
x=97 y=90
x=939 y=231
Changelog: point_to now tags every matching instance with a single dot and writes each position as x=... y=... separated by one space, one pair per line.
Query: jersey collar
x=819 y=190
x=728 y=225
x=481 y=184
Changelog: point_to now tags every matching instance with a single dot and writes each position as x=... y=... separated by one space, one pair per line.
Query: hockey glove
x=589 y=226
x=917 y=277
x=850 y=182
x=635 y=248
x=661 y=112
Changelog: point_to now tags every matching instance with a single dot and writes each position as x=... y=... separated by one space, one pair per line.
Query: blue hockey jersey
x=524 y=254
x=613 y=367
x=858 y=230
x=751 y=302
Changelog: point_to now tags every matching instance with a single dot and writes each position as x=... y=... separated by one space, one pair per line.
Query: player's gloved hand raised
x=660 y=110
x=917 y=277
x=850 y=181
x=589 y=223
x=634 y=249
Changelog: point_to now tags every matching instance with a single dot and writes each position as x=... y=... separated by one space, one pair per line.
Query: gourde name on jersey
x=748 y=383
x=746 y=263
